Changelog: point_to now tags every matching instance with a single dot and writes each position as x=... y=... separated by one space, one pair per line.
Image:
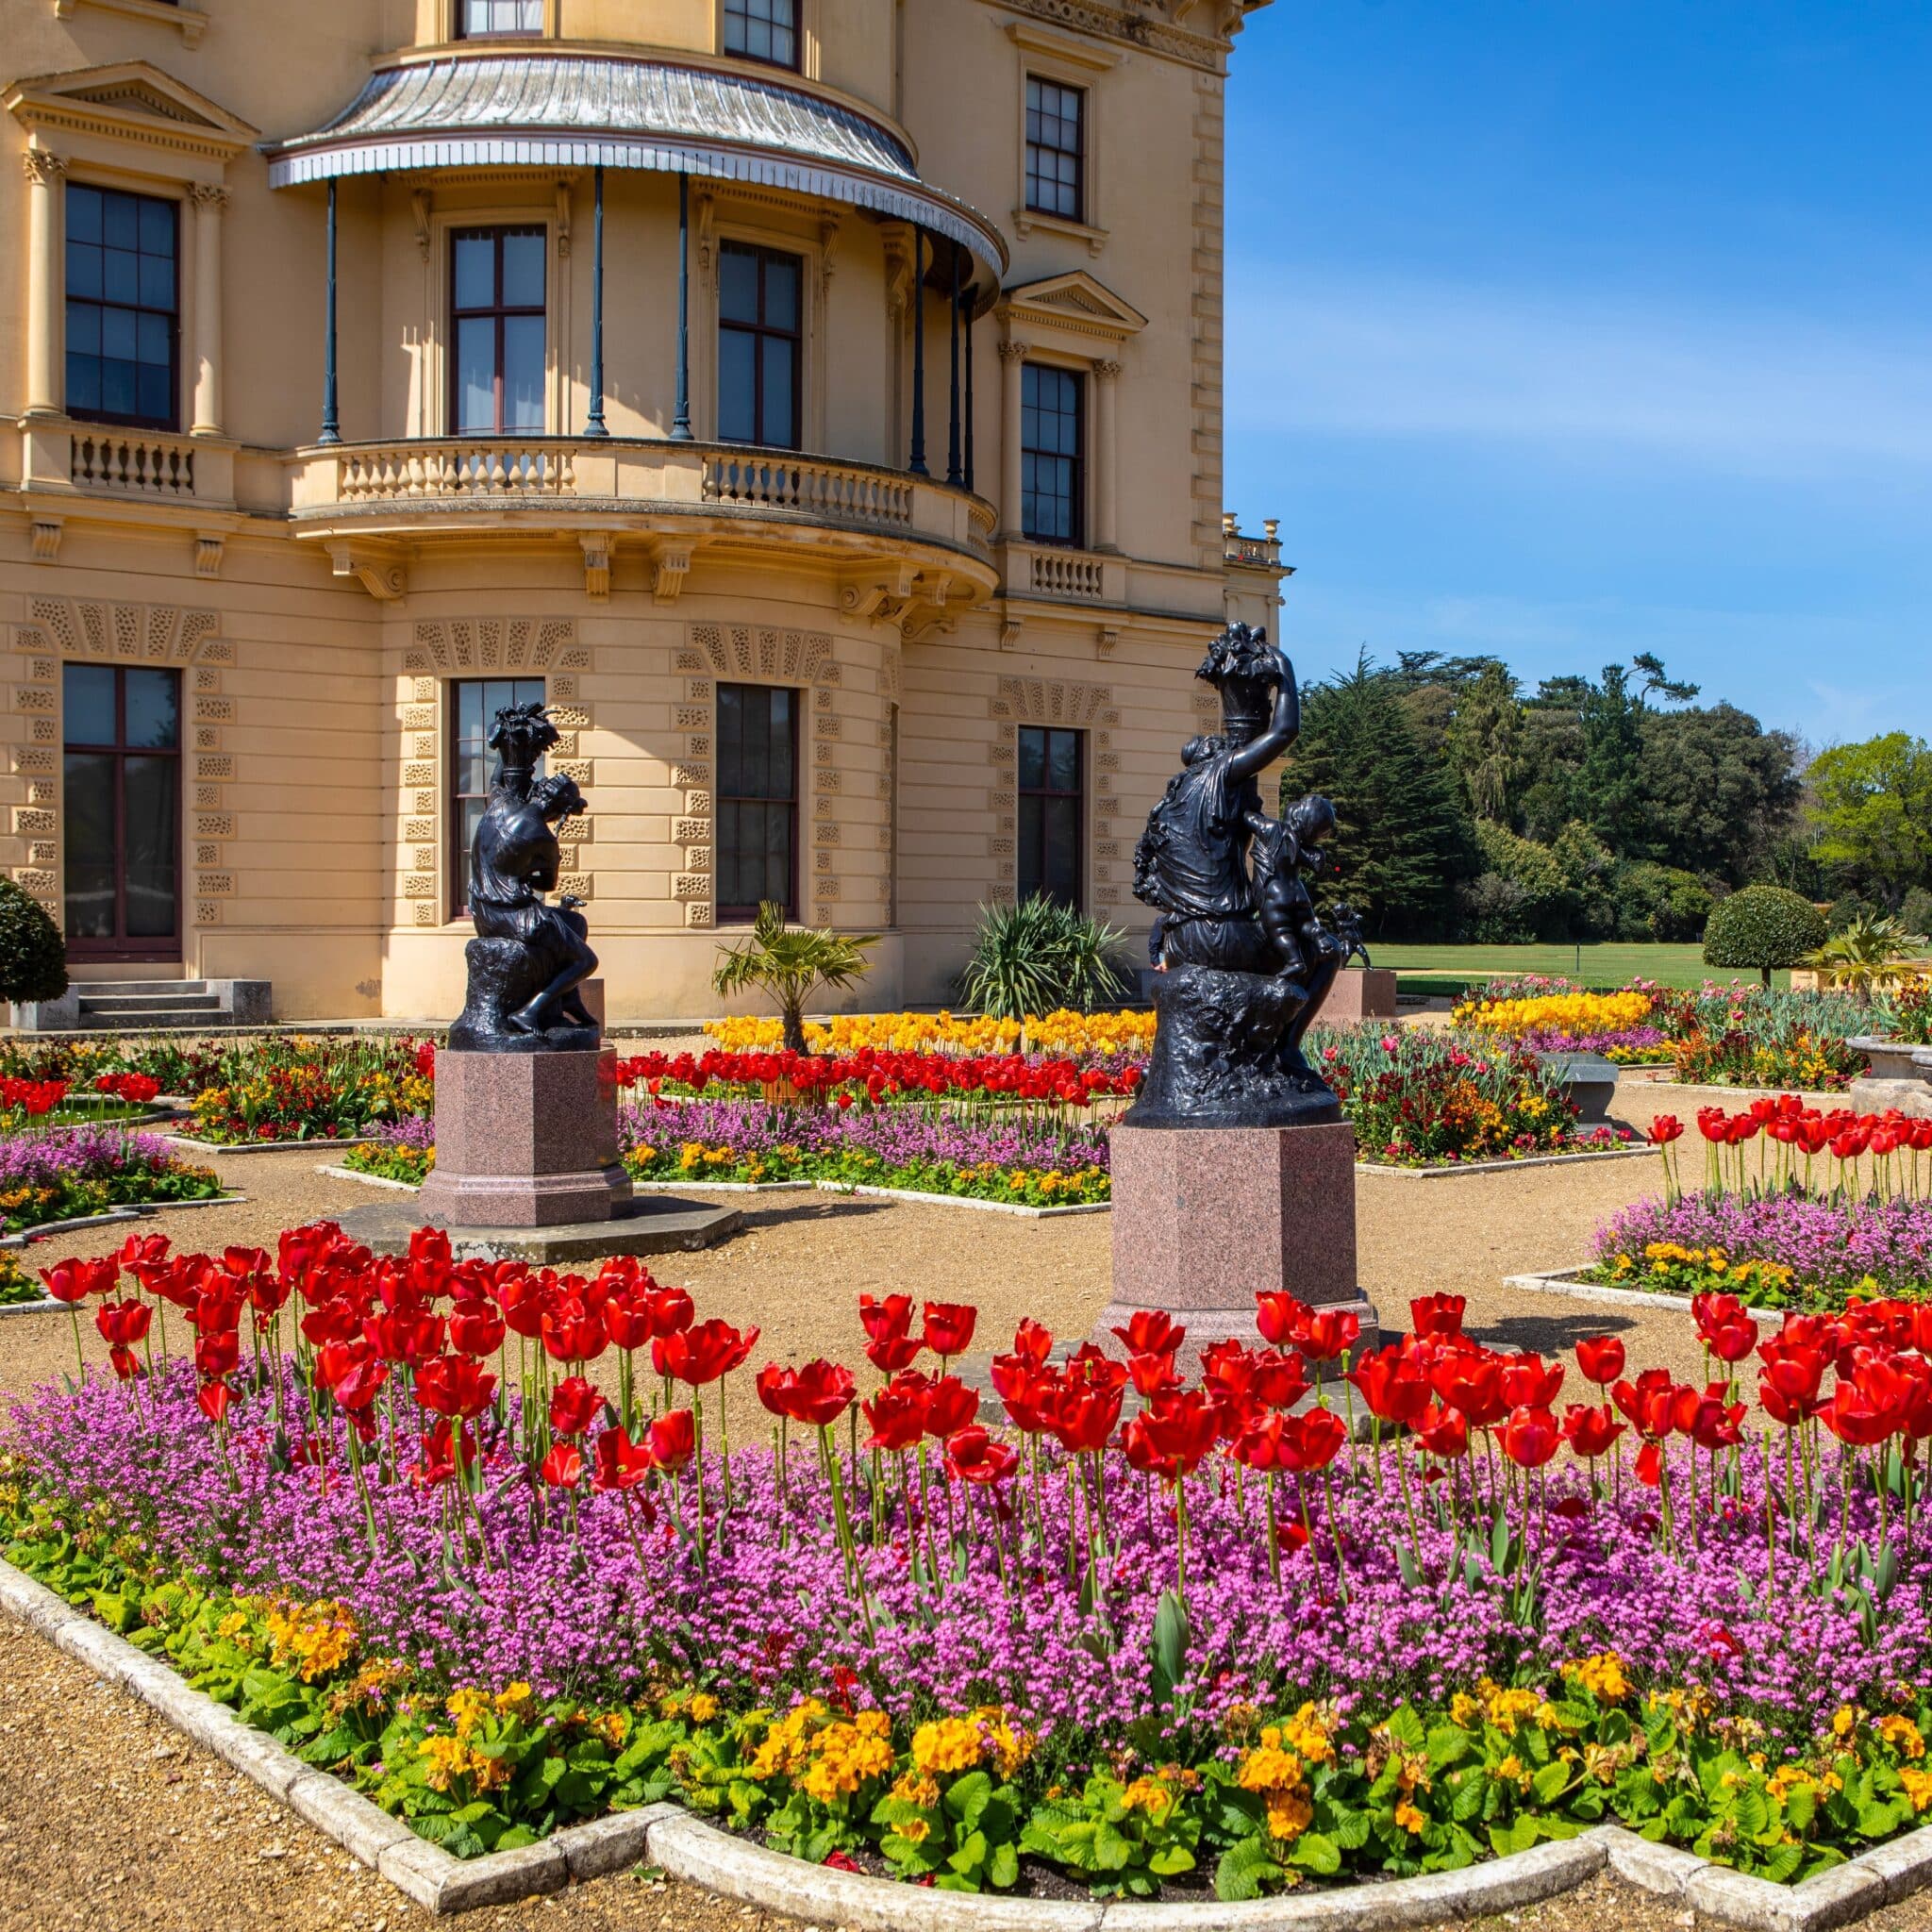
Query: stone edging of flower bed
x=1440 y=1172
x=1572 y=1282
x=376 y=1180
x=668 y=1837
x=194 y=1146
x=113 y=1217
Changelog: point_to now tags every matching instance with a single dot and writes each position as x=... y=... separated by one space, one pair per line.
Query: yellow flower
x=1903 y=1735
x=951 y=1743
x=316 y=1638
x=1464 y=1710
x=1150 y=1795
x=1289 y=1812
x=467 y=1710
x=702 y=1708
x=915 y=1788
x=1409 y=1819
x=915 y=1831
x=1918 y=1787
x=1842 y=1720
x=1602 y=1675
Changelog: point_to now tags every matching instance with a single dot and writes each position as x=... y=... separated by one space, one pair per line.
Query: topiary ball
x=33 y=955
x=1763 y=927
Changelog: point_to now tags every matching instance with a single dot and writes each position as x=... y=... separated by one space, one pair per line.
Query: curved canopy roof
x=577 y=110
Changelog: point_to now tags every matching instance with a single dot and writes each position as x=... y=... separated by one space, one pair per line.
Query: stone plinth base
x=1358 y=994
x=525 y=1139
x=1207 y=1218
x=664 y=1225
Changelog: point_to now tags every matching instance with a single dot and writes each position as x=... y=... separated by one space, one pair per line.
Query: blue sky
x=1561 y=329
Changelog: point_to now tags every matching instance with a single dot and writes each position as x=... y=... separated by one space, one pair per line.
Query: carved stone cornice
x=1140 y=27
x=44 y=170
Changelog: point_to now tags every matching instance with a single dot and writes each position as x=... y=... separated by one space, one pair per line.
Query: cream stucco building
x=816 y=402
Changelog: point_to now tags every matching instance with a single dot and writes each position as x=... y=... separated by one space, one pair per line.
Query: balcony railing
x=398 y=471
x=840 y=491
x=1068 y=574
x=140 y=462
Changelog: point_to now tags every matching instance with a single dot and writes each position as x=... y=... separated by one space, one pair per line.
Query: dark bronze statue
x=1345 y=922
x=529 y=956
x=1242 y=960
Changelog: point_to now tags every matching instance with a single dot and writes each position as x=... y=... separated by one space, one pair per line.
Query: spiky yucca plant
x=1039 y=956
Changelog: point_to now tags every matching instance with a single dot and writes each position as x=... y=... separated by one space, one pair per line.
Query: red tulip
x=124 y=1362
x=1393 y=1389
x=1329 y=1333
x=1601 y=1359
x=673 y=1439
x=975 y=1457
x=621 y=1464
x=1529 y=1437
x=476 y=1328
x=896 y=1416
x=1528 y=1382
x=1182 y=1425
x=563 y=1468
x=1151 y=1374
x=1277 y=1379
x=216 y=1355
x=1033 y=1343
x=703 y=1353
x=574 y=1407
x=1444 y=1432
x=453 y=1385
x=628 y=1319
x=69 y=1281
x=949 y=1327
x=1151 y=1331
x=1590 y=1431
x=949 y=1407
x=572 y=1333
x=122 y=1324
x=1437 y=1314
x=1665 y=1128
x=1136 y=1445
x=1280 y=1318
x=890 y=1320
x=1474 y=1385
x=213 y=1400
x=1316 y=1437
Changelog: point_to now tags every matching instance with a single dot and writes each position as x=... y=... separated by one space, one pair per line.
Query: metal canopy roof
x=545 y=110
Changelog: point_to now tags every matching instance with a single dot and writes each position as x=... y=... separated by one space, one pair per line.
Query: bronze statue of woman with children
x=1242 y=960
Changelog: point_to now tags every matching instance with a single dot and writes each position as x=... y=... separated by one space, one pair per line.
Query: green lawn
x=1589 y=965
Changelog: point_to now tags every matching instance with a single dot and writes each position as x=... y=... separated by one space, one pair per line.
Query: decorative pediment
x=131 y=100
x=1074 y=301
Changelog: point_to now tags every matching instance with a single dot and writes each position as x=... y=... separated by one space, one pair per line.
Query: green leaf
x=966 y=1797
x=1316 y=1853
x=1406 y=1727
x=1003 y=1868
x=1170 y=1860
x=1549 y=1782
x=1448 y=1744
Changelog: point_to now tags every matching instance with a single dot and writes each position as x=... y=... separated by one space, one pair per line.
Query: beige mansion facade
x=816 y=401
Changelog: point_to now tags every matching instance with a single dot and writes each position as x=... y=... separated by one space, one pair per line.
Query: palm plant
x=1874 y=951
x=1037 y=957
x=790 y=963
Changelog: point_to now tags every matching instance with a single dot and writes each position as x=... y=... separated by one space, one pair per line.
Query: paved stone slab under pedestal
x=663 y=1225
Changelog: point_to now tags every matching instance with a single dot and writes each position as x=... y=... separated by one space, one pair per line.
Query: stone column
x=44 y=174
x=1012 y=485
x=1106 y=457
x=210 y=204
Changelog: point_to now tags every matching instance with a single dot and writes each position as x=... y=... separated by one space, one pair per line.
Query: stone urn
x=1900 y=1075
x=1590 y=1078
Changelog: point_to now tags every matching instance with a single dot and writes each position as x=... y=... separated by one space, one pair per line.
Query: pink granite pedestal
x=1206 y=1218
x=1357 y=995
x=524 y=1141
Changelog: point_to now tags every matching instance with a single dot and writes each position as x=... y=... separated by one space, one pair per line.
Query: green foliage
x=790 y=964
x=1873 y=807
x=1915 y=914
x=1401 y=838
x=1657 y=902
x=1520 y=892
x=1718 y=789
x=1874 y=950
x=1761 y=927
x=1123 y=1839
x=1041 y=956
x=966 y=1838
x=33 y=955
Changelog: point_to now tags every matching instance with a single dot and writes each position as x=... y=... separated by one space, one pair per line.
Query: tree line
x=1618 y=808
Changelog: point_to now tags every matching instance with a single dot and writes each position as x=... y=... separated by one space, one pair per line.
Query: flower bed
x=305 y=1090
x=1776 y=1251
x=1111 y=1036
x=1551 y=1016
x=408 y=1538
x=1424 y=1099
x=65 y=1172
x=742 y=1141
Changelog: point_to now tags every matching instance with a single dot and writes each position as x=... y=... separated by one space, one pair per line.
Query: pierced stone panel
x=740 y=650
x=1051 y=701
x=492 y=644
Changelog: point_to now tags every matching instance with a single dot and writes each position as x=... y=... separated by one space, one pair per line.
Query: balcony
x=894 y=539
